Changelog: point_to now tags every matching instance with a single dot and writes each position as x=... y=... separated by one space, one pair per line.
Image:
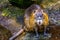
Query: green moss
x=12 y=11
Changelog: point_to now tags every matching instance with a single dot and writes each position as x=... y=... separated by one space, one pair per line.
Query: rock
x=4 y=33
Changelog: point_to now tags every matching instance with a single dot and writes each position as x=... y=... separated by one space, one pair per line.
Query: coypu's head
x=38 y=17
x=37 y=13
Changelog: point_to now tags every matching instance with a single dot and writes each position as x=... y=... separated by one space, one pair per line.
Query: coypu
x=34 y=19
x=34 y=15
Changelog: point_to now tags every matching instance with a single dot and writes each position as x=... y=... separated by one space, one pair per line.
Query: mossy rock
x=4 y=33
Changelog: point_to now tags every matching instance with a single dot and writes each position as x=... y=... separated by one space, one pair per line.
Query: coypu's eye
x=34 y=11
